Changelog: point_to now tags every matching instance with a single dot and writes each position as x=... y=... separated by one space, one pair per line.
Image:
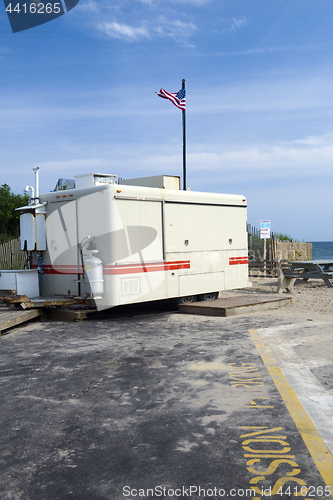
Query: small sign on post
x=265 y=232
x=265 y=229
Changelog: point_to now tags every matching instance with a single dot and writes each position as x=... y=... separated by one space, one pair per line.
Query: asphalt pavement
x=167 y=405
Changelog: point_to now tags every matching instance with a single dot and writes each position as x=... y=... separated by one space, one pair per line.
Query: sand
x=312 y=296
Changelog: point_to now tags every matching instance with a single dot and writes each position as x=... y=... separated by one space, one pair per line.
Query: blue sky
x=78 y=96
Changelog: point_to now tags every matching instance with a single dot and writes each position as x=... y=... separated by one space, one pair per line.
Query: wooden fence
x=11 y=255
x=275 y=249
x=290 y=250
x=281 y=250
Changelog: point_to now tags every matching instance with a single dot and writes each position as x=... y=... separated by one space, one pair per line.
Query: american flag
x=178 y=99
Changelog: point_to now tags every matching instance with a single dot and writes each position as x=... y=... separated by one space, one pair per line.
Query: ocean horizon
x=322 y=250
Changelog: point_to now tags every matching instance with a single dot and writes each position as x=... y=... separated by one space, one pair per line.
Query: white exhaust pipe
x=36 y=170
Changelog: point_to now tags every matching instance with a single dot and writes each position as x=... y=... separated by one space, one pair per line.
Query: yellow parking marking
x=314 y=442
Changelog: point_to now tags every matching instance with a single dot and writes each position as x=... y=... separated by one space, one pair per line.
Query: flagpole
x=184 y=142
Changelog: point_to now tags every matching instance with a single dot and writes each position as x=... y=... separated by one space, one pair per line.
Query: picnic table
x=307 y=269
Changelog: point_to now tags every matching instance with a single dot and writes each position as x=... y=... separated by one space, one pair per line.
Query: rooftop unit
x=157 y=181
x=89 y=180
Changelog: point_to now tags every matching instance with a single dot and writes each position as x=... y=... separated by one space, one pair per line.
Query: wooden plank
x=66 y=315
x=11 y=318
x=236 y=305
x=261 y=263
x=22 y=300
x=47 y=302
x=26 y=303
x=312 y=275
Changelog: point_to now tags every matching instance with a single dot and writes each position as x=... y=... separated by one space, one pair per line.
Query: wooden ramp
x=52 y=307
x=235 y=305
x=10 y=317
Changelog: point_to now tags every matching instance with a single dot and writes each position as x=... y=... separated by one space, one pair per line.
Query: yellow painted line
x=314 y=442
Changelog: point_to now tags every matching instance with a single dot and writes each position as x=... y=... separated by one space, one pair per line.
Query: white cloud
x=175 y=29
x=280 y=162
x=288 y=160
x=123 y=31
x=163 y=27
x=233 y=25
x=238 y=23
x=265 y=50
x=136 y=20
x=292 y=162
x=313 y=140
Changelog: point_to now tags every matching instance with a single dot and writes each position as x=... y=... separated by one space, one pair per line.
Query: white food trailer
x=135 y=240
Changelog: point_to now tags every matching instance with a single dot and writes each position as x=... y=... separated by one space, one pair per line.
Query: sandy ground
x=313 y=296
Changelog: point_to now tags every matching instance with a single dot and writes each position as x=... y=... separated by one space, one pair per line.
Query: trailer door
x=142 y=222
x=143 y=275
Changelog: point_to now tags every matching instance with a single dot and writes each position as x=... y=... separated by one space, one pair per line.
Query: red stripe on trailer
x=146 y=268
x=171 y=266
x=233 y=261
x=121 y=269
x=132 y=269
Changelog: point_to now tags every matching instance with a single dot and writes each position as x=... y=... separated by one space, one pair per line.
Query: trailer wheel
x=209 y=296
x=187 y=299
